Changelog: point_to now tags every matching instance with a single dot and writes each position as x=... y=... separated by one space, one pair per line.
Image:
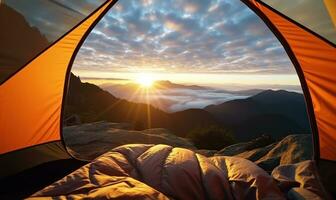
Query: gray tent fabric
x=18 y=161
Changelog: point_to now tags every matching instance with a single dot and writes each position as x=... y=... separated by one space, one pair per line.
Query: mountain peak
x=170 y=85
x=277 y=96
x=163 y=82
x=271 y=91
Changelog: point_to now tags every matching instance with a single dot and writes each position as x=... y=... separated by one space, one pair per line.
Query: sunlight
x=145 y=80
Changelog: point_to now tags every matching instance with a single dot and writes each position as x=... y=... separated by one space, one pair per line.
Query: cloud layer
x=215 y=36
x=174 y=99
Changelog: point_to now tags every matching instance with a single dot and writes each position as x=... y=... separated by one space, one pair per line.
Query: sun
x=145 y=80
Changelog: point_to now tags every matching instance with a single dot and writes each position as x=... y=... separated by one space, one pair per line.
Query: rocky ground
x=291 y=149
x=88 y=141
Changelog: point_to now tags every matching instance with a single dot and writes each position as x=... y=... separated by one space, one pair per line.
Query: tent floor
x=32 y=180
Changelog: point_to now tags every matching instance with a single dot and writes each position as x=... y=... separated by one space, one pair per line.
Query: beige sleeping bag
x=163 y=172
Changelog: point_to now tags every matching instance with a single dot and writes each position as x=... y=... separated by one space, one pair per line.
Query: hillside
x=276 y=113
x=91 y=104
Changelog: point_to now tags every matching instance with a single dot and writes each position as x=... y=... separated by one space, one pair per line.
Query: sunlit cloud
x=183 y=37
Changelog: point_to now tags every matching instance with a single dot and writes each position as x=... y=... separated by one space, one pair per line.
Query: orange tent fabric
x=315 y=60
x=31 y=100
x=331 y=7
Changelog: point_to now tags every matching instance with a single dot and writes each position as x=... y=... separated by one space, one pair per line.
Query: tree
x=212 y=137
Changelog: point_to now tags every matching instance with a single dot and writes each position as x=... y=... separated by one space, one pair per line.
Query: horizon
x=229 y=84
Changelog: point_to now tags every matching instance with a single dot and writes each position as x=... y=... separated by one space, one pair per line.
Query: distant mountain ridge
x=165 y=84
x=279 y=112
x=157 y=85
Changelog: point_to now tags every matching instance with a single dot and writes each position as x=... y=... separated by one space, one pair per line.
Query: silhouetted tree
x=212 y=137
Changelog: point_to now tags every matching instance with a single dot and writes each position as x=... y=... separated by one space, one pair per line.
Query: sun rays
x=148 y=90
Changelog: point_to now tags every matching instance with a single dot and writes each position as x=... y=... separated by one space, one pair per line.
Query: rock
x=97 y=126
x=88 y=141
x=205 y=152
x=177 y=141
x=233 y=150
x=236 y=149
x=292 y=149
x=161 y=131
x=72 y=120
x=256 y=154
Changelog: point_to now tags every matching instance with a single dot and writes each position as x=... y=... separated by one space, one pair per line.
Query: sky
x=212 y=42
x=215 y=42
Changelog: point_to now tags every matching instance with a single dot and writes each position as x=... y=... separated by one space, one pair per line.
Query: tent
x=32 y=95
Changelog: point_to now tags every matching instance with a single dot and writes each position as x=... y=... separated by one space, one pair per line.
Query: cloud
x=173 y=100
x=193 y=36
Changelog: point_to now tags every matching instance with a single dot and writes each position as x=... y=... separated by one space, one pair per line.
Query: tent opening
x=181 y=74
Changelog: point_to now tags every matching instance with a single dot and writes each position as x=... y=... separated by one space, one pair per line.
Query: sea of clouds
x=173 y=100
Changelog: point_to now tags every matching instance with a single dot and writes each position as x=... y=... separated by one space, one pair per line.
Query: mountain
x=165 y=84
x=159 y=84
x=19 y=43
x=130 y=88
x=277 y=113
x=92 y=103
x=278 y=126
